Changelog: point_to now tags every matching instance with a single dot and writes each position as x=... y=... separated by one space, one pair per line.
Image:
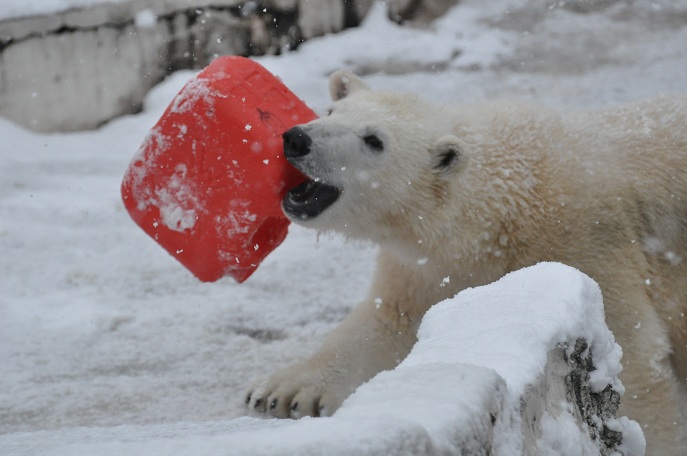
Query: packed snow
x=105 y=338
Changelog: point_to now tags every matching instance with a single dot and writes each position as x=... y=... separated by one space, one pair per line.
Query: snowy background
x=99 y=326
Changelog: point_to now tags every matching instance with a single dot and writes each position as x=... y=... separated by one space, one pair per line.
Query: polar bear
x=457 y=197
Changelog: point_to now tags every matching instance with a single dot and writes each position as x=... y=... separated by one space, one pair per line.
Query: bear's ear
x=343 y=83
x=447 y=154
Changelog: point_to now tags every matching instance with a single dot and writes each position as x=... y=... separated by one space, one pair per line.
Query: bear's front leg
x=376 y=336
x=367 y=342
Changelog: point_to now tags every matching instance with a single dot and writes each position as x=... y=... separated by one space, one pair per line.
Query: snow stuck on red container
x=208 y=181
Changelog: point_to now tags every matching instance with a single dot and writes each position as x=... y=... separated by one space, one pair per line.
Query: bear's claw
x=283 y=400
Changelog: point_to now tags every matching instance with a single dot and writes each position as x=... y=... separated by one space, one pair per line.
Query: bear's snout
x=296 y=143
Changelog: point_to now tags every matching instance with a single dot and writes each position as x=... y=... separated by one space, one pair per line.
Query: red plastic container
x=208 y=181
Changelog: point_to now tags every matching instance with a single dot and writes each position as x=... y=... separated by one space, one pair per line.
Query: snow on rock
x=542 y=331
x=525 y=365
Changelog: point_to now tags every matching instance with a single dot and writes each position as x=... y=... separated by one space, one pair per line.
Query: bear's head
x=376 y=162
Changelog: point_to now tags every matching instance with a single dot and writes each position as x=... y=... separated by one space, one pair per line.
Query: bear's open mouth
x=309 y=199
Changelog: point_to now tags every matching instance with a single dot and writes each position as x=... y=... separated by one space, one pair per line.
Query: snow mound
x=502 y=369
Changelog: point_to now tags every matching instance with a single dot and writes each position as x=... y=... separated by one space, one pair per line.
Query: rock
x=564 y=390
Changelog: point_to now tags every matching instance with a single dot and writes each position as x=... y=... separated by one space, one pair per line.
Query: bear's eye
x=374 y=142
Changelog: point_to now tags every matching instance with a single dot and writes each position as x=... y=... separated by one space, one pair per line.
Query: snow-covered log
x=524 y=366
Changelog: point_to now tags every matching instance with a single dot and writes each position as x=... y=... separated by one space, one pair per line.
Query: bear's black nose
x=296 y=143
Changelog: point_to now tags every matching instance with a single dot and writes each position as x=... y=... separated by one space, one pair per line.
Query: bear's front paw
x=295 y=392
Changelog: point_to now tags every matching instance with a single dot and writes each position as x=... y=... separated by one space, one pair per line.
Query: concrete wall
x=80 y=68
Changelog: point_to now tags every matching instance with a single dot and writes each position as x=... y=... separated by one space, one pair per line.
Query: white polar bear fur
x=459 y=196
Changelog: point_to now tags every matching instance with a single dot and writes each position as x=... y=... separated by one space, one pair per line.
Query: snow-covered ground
x=459 y=391
x=99 y=326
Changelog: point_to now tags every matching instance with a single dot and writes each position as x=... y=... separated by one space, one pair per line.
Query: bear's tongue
x=309 y=199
